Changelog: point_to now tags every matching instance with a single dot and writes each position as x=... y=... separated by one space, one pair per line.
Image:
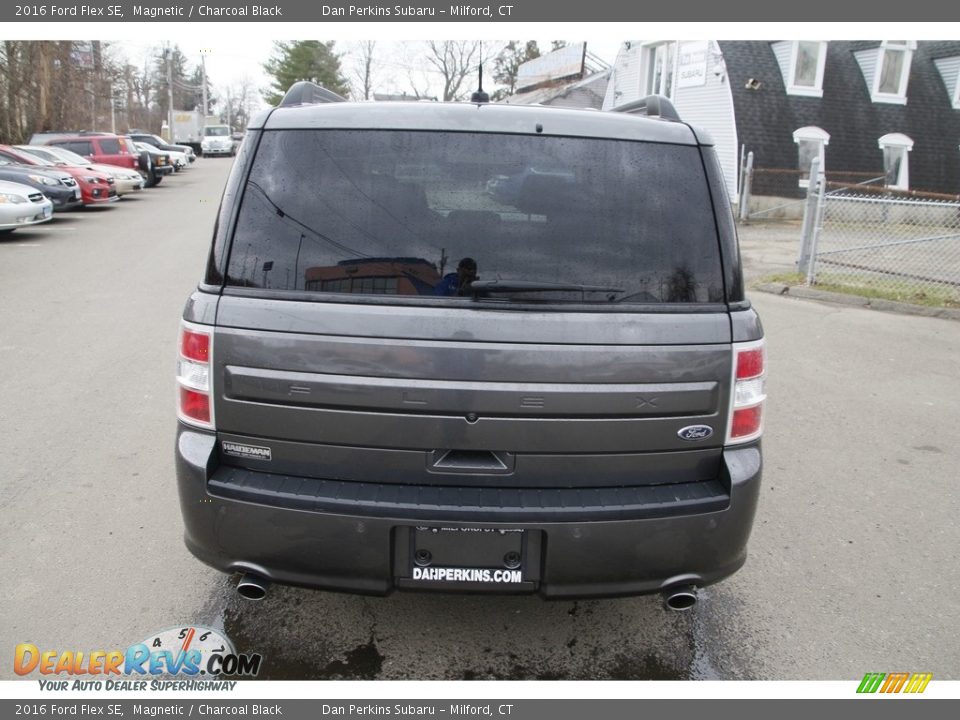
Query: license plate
x=47 y=212
x=456 y=556
x=76 y=193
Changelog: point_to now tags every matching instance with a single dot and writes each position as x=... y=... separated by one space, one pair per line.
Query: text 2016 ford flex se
x=471 y=347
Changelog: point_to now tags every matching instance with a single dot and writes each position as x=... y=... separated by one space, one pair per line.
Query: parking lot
x=853 y=559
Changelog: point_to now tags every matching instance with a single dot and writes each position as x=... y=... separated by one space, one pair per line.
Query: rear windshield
x=443 y=214
x=216 y=131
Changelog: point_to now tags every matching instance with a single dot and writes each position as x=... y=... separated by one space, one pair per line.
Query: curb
x=901 y=308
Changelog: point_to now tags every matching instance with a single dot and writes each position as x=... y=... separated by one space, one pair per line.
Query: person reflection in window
x=458 y=283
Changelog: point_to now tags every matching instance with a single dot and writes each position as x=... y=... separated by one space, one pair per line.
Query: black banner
x=500 y=11
x=877 y=709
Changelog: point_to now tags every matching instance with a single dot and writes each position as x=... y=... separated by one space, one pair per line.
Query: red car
x=105 y=148
x=96 y=188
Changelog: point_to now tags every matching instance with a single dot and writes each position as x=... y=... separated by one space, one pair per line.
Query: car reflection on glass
x=524 y=188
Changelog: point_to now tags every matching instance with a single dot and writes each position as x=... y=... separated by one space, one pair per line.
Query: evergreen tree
x=303 y=60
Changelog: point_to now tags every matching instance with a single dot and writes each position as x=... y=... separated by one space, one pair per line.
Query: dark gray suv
x=471 y=347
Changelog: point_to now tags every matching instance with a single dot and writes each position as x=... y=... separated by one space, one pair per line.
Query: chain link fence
x=859 y=235
x=779 y=193
x=905 y=248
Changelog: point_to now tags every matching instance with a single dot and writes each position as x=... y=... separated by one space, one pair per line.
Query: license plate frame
x=467 y=558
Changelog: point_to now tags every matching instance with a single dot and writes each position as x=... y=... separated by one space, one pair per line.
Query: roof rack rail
x=651 y=106
x=305 y=92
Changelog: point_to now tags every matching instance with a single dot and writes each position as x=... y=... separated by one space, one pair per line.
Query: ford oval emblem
x=695 y=432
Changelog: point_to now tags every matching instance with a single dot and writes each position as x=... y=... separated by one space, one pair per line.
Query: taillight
x=193 y=375
x=749 y=392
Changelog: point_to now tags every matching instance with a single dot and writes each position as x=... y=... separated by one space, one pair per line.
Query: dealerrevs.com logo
x=183 y=653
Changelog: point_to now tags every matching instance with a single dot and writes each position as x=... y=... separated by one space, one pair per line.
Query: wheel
x=7 y=231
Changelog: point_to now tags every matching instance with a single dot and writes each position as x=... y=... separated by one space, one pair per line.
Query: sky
x=229 y=60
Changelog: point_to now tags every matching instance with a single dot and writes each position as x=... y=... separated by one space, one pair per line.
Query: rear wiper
x=479 y=288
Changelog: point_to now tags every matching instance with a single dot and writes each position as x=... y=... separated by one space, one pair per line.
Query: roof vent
x=651 y=106
x=305 y=92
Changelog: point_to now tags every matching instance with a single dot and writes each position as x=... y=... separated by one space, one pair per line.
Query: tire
x=6 y=231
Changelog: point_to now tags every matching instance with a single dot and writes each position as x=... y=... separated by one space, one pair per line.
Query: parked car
x=157 y=164
x=106 y=149
x=575 y=410
x=22 y=206
x=125 y=181
x=57 y=185
x=217 y=141
x=159 y=144
x=96 y=188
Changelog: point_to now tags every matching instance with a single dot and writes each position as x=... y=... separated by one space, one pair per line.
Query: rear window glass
x=110 y=146
x=409 y=213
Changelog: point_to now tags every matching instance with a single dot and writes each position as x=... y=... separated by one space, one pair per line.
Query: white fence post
x=746 y=185
x=810 y=211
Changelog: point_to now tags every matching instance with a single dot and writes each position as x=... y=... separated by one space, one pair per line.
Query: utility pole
x=169 y=55
x=113 y=113
x=228 y=111
x=203 y=74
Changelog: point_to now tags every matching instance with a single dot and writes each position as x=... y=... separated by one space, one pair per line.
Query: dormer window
x=949 y=68
x=801 y=64
x=892 y=71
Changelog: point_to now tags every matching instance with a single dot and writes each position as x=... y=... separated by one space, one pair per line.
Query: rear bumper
x=331 y=536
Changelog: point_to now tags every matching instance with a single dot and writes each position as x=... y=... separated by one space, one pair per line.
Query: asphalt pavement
x=853 y=558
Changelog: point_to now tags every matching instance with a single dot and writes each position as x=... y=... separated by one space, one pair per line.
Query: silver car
x=21 y=206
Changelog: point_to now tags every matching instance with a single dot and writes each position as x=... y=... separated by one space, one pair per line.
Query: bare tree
x=241 y=102
x=362 y=75
x=455 y=60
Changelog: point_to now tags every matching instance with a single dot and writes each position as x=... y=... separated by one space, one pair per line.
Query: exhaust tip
x=680 y=599
x=252 y=587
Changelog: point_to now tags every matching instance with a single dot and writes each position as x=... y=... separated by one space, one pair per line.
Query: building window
x=657 y=69
x=896 y=167
x=893 y=71
x=807 y=62
x=810 y=144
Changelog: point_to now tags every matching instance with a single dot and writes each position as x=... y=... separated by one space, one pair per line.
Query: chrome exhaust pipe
x=680 y=598
x=252 y=587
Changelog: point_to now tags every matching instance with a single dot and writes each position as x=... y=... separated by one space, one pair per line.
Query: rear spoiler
x=651 y=106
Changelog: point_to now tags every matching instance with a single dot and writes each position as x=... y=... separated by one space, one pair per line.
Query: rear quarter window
x=401 y=213
x=109 y=146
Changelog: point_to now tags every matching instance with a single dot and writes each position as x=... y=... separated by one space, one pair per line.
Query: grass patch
x=793 y=278
x=875 y=289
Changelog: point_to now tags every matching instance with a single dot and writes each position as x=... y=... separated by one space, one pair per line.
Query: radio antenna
x=480 y=96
